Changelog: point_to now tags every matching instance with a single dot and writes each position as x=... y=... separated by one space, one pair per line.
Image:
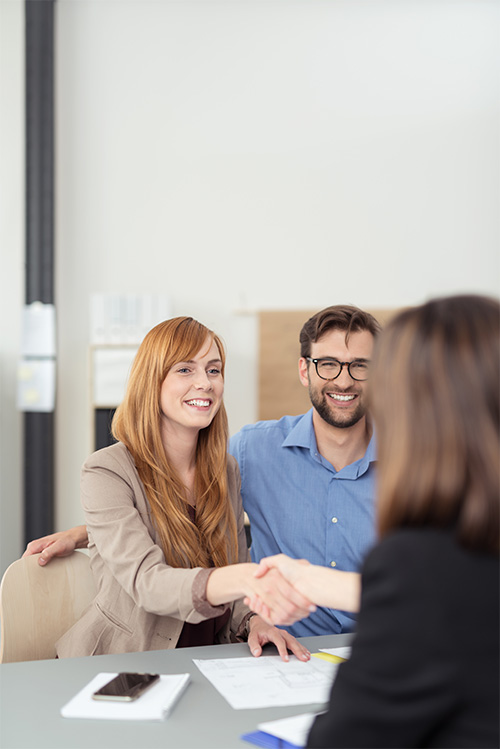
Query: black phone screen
x=125 y=686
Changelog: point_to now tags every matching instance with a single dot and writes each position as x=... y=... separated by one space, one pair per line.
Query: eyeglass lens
x=330 y=368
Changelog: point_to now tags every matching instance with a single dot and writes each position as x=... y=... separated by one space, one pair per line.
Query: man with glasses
x=307 y=482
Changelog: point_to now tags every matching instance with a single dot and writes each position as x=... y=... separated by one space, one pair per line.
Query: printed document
x=268 y=681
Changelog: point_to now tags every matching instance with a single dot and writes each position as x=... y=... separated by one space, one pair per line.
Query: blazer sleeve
x=397 y=685
x=118 y=522
x=240 y=612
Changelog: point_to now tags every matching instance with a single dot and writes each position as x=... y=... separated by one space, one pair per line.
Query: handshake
x=280 y=589
x=285 y=590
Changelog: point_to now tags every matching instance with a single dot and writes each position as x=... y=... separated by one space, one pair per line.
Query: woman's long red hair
x=137 y=424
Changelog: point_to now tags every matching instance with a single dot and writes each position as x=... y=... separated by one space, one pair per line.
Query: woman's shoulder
x=426 y=552
x=109 y=457
x=418 y=544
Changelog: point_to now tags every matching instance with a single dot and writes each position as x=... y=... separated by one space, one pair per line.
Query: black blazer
x=424 y=669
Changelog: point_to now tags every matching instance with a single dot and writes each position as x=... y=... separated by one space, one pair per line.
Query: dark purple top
x=204 y=633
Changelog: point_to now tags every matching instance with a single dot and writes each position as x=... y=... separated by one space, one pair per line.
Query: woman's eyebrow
x=193 y=361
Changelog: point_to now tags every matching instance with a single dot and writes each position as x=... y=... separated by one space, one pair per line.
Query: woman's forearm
x=227 y=584
x=333 y=588
x=321 y=585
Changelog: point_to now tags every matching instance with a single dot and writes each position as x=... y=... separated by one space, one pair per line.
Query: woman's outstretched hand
x=336 y=589
x=275 y=599
x=262 y=605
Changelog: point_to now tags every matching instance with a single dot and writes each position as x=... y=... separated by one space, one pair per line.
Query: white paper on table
x=154 y=704
x=294 y=730
x=344 y=652
x=268 y=681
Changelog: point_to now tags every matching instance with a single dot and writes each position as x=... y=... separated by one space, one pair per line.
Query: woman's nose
x=203 y=381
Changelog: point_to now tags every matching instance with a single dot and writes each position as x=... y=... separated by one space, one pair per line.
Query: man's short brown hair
x=338 y=317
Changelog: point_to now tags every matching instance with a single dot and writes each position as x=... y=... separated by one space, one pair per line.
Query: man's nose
x=344 y=380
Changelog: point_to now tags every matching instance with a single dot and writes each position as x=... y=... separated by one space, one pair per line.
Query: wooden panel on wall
x=280 y=390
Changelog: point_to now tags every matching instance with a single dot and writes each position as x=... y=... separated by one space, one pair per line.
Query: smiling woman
x=191 y=393
x=164 y=515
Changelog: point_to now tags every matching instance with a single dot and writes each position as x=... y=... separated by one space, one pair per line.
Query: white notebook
x=155 y=704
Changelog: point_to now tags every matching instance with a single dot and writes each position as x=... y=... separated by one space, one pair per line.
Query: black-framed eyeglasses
x=330 y=369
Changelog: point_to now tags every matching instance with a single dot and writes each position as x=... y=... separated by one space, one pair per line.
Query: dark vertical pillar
x=39 y=427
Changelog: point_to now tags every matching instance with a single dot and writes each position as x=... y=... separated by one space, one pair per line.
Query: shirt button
x=333 y=564
x=335 y=520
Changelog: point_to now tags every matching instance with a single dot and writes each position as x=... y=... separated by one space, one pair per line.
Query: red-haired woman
x=164 y=514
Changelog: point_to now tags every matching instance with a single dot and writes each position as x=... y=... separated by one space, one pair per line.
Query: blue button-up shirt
x=299 y=505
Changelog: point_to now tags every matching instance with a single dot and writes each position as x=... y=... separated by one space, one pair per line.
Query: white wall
x=242 y=155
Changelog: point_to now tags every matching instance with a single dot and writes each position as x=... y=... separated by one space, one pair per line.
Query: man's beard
x=320 y=403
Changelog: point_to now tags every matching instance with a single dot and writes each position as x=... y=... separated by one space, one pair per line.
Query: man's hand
x=60 y=544
x=261 y=633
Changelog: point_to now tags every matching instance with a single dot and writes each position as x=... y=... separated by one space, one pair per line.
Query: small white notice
x=344 y=652
x=268 y=681
x=294 y=730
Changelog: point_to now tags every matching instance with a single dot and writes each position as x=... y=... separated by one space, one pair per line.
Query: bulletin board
x=280 y=390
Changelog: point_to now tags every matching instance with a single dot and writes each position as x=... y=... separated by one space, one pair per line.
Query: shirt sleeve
x=395 y=688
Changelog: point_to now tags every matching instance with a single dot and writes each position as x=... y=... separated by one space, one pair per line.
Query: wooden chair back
x=39 y=604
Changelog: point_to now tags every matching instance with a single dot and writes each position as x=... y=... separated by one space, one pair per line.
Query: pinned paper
x=36 y=374
x=36 y=385
x=38 y=337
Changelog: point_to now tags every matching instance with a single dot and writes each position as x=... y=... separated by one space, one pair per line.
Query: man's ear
x=304 y=371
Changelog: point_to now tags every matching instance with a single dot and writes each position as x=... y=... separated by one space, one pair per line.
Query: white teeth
x=198 y=403
x=338 y=397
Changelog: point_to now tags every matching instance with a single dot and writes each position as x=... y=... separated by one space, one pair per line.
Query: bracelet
x=247 y=623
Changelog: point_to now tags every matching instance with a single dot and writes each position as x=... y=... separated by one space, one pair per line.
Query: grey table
x=33 y=692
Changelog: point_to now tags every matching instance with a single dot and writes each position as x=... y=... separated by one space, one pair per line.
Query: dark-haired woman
x=424 y=669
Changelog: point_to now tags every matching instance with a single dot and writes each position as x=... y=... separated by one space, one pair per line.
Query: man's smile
x=342 y=398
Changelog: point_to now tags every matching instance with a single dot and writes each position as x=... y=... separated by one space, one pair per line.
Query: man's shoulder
x=271 y=426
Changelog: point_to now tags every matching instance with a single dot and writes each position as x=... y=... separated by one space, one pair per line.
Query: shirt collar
x=302 y=435
x=371 y=450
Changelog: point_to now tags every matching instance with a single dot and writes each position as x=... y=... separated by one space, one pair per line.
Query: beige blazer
x=141 y=603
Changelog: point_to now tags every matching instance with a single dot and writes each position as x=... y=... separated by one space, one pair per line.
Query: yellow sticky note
x=329 y=657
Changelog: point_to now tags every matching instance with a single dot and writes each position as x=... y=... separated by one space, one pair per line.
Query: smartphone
x=126 y=687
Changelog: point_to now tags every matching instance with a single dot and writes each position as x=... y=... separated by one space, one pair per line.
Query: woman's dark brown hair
x=435 y=391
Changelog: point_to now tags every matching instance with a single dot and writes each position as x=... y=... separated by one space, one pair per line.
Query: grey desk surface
x=33 y=692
